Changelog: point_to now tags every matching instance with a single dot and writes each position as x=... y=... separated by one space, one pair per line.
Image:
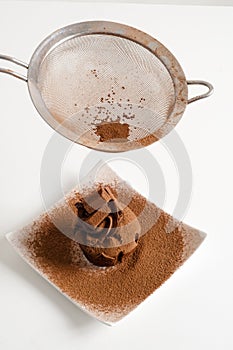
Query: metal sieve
x=99 y=73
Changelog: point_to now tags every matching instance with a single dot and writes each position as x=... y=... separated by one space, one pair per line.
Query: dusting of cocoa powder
x=110 y=293
x=112 y=131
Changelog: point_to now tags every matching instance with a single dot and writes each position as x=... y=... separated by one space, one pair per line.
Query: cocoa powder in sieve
x=112 y=131
x=111 y=292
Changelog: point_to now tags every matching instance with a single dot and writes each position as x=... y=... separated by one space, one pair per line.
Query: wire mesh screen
x=94 y=80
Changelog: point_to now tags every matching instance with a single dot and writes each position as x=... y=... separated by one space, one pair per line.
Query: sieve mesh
x=91 y=79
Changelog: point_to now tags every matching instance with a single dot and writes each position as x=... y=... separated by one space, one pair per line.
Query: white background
x=194 y=309
x=170 y=2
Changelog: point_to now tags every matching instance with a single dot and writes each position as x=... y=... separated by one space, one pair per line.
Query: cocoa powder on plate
x=110 y=293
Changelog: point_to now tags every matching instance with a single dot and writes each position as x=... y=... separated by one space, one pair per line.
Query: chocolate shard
x=98 y=216
x=117 y=209
x=81 y=210
x=107 y=194
x=97 y=199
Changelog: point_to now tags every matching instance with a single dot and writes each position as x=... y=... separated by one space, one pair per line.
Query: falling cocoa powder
x=112 y=292
x=112 y=131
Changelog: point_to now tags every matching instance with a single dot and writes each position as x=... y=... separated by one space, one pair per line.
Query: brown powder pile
x=112 y=131
x=109 y=293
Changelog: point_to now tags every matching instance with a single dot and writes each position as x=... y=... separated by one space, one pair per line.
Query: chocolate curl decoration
x=106 y=229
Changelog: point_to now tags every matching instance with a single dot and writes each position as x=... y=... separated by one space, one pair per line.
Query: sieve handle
x=200 y=82
x=11 y=72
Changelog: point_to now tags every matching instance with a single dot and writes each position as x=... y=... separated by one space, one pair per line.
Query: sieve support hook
x=200 y=82
x=11 y=72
